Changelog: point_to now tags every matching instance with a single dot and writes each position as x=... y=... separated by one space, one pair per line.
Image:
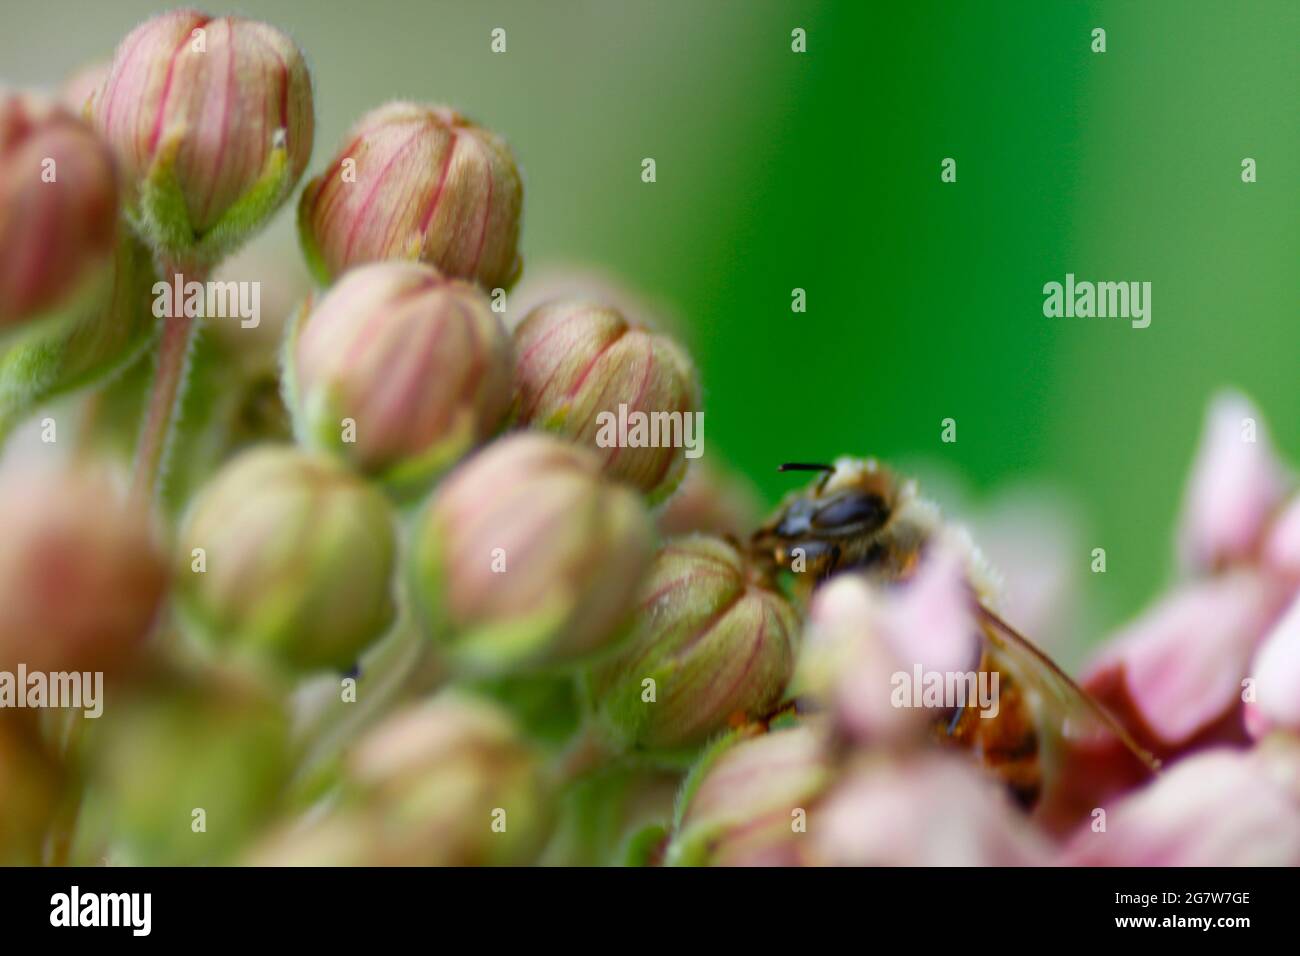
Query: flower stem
x=166 y=393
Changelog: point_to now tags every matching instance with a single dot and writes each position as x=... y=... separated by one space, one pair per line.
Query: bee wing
x=1079 y=713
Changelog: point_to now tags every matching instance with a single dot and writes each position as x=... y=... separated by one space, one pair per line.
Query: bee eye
x=867 y=510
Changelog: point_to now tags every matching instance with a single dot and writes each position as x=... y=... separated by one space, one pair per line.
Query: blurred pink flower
x=1222 y=807
x=923 y=809
x=1282 y=547
x=1174 y=675
x=1276 y=670
x=860 y=636
x=1236 y=483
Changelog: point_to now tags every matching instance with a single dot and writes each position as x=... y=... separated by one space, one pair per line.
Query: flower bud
x=450 y=782
x=525 y=558
x=399 y=371
x=713 y=647
x=52 y=361
x=747 y=801
x=1237 y=483
x=1276 y=672
x=58 y=213
x=288 y=556
x=186 y=769
x=416 y=182
x=81 y=578
x=212 y=122
x=582 y=370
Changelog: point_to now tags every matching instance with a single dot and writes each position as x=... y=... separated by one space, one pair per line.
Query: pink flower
x=1236 y=484
x=930 y=809
x=1276 y=670
x=1175 y=673
x=1222 y=807
x=1282 y=547
x=860 y=637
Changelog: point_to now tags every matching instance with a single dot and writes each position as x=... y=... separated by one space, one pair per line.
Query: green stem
x=165 y=395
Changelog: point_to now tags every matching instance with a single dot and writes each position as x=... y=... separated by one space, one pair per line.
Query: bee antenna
x=804 y=466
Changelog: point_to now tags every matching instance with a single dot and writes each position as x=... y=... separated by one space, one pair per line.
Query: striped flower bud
x=713 y=647
x=81 y=578
x=399 y=372
x=747 y=801
x=290 y=557
x=451 y=782
x=58 y=213
x=629 y=393
x=212 y=122
x=417 y=182
x=524 y=557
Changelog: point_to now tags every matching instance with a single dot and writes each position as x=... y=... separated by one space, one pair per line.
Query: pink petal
x=1218 y=808
x=1182 y=662
x=1277 y=677
x=1236 y=483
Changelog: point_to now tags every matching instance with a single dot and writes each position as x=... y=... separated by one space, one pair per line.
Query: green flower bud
x=399 y=372
x=58 y=215
x=524 y=557
x=30 y=785
x=714 y=646
x=212 y=122
x=87 y=350
x=450 y=782
x=290 y=557
x=186 y=770
x=81 y=578
x=628 y=393
x=748 y=800
x=416 y=182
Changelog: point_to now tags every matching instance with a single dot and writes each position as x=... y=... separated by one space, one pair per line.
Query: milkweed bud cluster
x=417 y=584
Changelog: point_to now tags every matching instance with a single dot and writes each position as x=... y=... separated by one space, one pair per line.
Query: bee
x=859 y=517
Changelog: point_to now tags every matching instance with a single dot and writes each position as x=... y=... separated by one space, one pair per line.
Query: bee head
x=840 y=513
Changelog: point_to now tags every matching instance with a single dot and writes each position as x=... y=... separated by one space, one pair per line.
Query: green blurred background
x=821 y=171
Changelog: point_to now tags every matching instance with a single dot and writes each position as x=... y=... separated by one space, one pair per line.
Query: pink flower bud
x=212 y=122
x=1175 y=674
x=1237 y=482
x=630 y=394
x=451 y=782
x=416 y=182
x=750 y=802
x=525 y=557
x=81 y=577
x=1219 y=807
x=399 y=371
x=58 y=213
x=714 y=646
